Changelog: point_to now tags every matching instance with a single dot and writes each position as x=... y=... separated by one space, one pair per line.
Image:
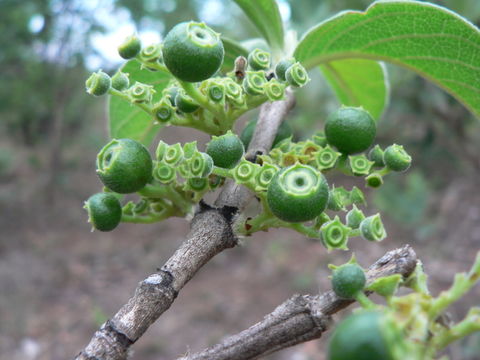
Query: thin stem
x=364 y=301
x=222 y=172
x=125 y=97
x=176 y=196
x=467 y=326
x=196 y=95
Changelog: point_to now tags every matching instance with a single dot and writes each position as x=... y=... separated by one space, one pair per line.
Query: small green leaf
x=266 y=17
x=233 y=50
x=359 y=82
x=129 y=121
x=431 y=40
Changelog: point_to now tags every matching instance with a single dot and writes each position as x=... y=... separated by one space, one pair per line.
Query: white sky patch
x=36 y=23
x=285 y=11
x=212 y=12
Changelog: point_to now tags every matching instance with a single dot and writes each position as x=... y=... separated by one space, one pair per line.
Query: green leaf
x=129 y=121
x=233 y=50
x=431 y=40
x=359 y=82
x=266 y=17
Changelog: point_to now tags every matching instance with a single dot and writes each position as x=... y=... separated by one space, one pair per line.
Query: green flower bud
x=338 y=198
x=376 y=155
x=354 y=217
x=371 y=228
x=161 y=149
x=151 y=53
x=163 y=111
x=265 y=176
x=348 y=280
x=274 y=90
x=282 y=66
x=98 y=83
x=124 y=166
x=297 y=193
x=360 y=165
x=367 y=335
x=374 y=180
x=245 y=172
x=183 y=169
x=259 y=59
x=284 y=132
x=196 y=184
x=104 y=211
x=189 y=149
x=326 y=158
x=396 y=158
x=351 y=130
x=185 y=103
x=335 y=234
x=140 y=93
x=357 y=196
x=200 y=164
x=254 y=82
x=296 y=75
x=174 y=154
x=216 y=92
x=165 y=173
x=234 y=92
x=120 y=81
x=226 y=150
x=192 y=51
x=320 y=139
x=130 y=47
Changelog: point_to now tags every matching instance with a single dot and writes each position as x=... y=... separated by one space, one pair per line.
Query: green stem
x=196 y=95
x=125 y=97
x=222 y=172
x=153 y=65
x=167 y=192
x=151 y=218
x=364 y=301
x=384 y=171
x=467 y=326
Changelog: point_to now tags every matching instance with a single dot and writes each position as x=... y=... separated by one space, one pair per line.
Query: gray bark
x=300 y=318
x=211 y=233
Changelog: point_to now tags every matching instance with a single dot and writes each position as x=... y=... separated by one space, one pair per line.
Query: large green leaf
x=359 y=82
x=428 y=39
x=266 y=17
x=129 y=121
x=233 y=49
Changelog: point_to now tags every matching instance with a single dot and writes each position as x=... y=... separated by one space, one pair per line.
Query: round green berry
x=185 y=103
x=124 y=166
x=98 y=83
x=297 y=193
x=284 y=131
x=104 y=211
x=130 y=47
x=396 y=158
x=226 y=150
x=192 y=51
x=120 y=81
x=282 y=66
x=351 y=130
x=348 y=280
x=362 y=336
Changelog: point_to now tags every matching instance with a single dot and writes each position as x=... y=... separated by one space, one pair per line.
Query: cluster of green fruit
x=198 y=96
x=409 y=326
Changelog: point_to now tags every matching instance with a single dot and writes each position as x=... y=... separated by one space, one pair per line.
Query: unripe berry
x=124 y=166
x=120 y=81
x=348 y=280
x=104 y=211
x=350 y=130
x=185 y=103
x=297 y=193
x=130 y=47
x=282 y=66
x=226 y=150
x=192 y=51
x=98 y=83
x=396 y=158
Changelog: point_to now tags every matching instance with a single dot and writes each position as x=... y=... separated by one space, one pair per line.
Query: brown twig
x=211 y=233
x=300 y=318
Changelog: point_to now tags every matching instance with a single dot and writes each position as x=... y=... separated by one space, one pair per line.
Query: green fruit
x=130 y=47
x=192 y=51
x=104 y=211
x=351 y=130
x=226 y=150
x=124 y=166
x=297 y=193
x=396 y=158
x=98 y=83
x=185 y=103
x=120 y=81
x=348 y=280
x=282 y=66
x=284 y=131
x=361 y=336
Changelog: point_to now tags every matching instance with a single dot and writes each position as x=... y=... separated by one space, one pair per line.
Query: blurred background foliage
x=50 y=130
